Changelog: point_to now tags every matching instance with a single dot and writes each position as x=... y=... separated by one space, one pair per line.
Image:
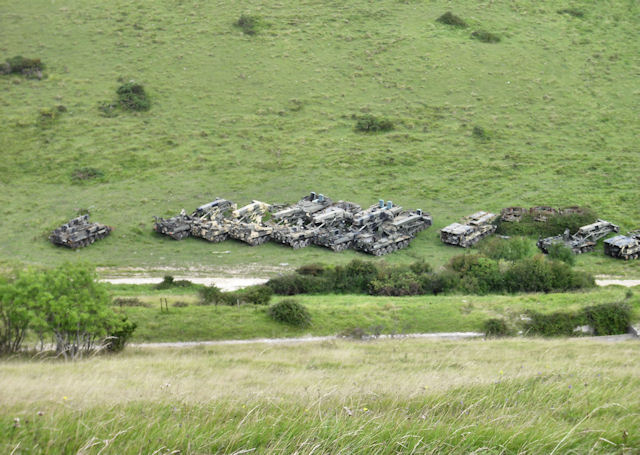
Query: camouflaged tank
x=582 y=241
x=294 y=225
x=179 y=227
x=79 y=232
x=470 y=230
x=512 y=214
x=333 y=226
x=542 y=213
x=245 y=223
x=624 y=246
x=392 y=234
x=213 y=225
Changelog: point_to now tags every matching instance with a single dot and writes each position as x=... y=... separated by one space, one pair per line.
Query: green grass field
x=339 y=397
x=336 y=314
x=271 y=117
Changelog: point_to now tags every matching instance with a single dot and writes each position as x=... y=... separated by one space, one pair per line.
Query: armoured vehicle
x=245 y=223
x=624 y=246
x=79 y=232
x=470 y=231
x=582 y=241
x=333 y=226
x=542 y=213
x=512 y=214
x=293 y=225
x=213 y=224
x=394 y=234
x=179 y=227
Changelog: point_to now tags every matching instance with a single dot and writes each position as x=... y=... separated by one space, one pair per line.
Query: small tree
x=210 y=295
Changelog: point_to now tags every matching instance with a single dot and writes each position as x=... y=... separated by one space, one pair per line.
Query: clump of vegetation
x=485 y=36
x=29 y=67
x=496 y=327
x=290 y=311
x=372 y=124
x=511 y=249
x=248 y=23
x=604 y=319
x=254 y=295
x=571 y=12
x=108 y=108
x=554 y=225
x=169 y=282
x=481 y=133
x=179 y=304
x=82 y=174
x=129 y=302
x=608 y=318
x=562 y=253
x=120 y=335
x=132 y=97
x=210 y=295
x=449 y=18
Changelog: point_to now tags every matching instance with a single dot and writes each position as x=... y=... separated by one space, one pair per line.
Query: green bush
x=485 y=37
x=311 y=269
x=553 y=324
x=132 y=97
x=608 y=318
x=496 y=327
x=248 y=23
x=119 y=336
x=169 y=282
x=511 y=249
x=257 y=295
x=449 y=18
x=478 y=274
x=210 y=295
x=373 y=124
x=480 y=133
x=129 y=302
x=29 y=67
x=554 y=225
x=290 y=311
x=397 y=282
x=562 y=253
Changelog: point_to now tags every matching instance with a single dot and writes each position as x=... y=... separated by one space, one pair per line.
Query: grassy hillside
x=271 y=116
x=396 y=396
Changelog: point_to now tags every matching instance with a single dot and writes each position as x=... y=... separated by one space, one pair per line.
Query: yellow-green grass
x=335 y=314
x=270 y=116
x=395 y=396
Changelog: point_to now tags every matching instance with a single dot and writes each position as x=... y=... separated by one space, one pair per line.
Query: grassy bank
x=334 y=314
x=272 y=116
x=383 y=397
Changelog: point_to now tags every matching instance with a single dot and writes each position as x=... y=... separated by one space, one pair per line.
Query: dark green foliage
x=257 y=295
x=397 y=281
x=555 y=224
x=480 y=133
x=29 y=67
x=82 y=174
x=538 y=274
x=132 y=97
x=248 y=23
x=169 y=282
x=511 y=249
x=485 y=36
x=129 y=302
x=290 y=311
x=372 y=124
x=180 y=304
x=311 y=269
x=210 y=295
x=562 y=253
x=571 y=12
x=553 y=324
x=496 y=327
x=478 y=274
x=449 y=18
x=355 y=277
x=120 y=334
x=608 y=318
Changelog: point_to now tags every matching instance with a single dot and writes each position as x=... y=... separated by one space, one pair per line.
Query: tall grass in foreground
x=409 y=396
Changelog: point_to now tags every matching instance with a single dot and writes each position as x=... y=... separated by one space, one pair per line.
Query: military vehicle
x=542 y=213
x=333 y=226
x=512 y=214
x=213 y=224
x=624 y=246
x=245 y=223
x=79 y=232
x=583 y=240
x=293 y=225
x=179 y=227
x=470 y=230
x=392 y=235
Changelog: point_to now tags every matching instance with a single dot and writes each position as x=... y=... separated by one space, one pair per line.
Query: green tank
x=79 y=232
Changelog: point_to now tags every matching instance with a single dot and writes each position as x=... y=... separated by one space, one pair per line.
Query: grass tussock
x=451 y=19
x=380 y=397
x=485 y=36
x=572 y=12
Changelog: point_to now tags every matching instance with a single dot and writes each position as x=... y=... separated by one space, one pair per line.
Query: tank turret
x=583 y=240
x=79 y=232
x=470 y=230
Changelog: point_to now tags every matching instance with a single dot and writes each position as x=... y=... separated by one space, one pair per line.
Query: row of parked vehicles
x=380 y=229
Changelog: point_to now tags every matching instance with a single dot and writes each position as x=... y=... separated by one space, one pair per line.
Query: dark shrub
x=553 y=324
x=81 y=174
x=562 y=253
x=537 y=274
x=372 y=124
x=248 y=23
x=397 y=282
x=478 y=274
x=421 y=267
x=571 y=12
x=480 y=133
x=210 y=295
x=119 y=336
x=355 y=277
x=554 y=225
x=29 y=67
x=179 y=304
x=300 y=284
x=290 y=311
x=449 y=18
x=496 y=327
x=132 y=97
x=130 y=301
x=608 y=318
x=257 y=295
x=485 y=37
x=169 y=282
x=438 y=283
x=311 y=269
x=511 y=249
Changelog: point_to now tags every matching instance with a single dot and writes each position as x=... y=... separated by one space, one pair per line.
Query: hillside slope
x=271 y=116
